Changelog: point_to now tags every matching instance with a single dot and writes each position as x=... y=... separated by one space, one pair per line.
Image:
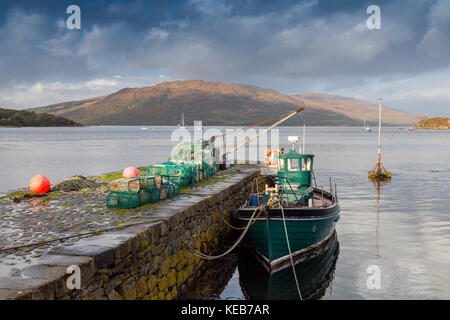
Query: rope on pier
x=208 y=257
x=290 y=254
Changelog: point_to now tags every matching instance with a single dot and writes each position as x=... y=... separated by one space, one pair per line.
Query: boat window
x=306 y=164
x=293 y=165
x=281 y=164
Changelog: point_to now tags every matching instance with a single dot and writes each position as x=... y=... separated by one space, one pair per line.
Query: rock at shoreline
x=434 y=123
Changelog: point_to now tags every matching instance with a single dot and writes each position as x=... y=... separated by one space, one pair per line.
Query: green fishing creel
x=122 y=199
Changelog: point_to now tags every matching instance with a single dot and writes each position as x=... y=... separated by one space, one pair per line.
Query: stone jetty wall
x=147 y=260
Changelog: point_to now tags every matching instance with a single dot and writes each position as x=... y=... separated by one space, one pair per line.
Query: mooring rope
x=230 y=225
x=208 y=257
x=290 y=254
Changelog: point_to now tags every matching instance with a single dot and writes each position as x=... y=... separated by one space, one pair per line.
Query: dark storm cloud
x=287 y=45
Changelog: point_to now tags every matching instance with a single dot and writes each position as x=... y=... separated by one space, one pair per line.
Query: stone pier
x=136 y=253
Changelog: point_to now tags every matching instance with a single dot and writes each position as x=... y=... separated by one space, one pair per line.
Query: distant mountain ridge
x=217 y=103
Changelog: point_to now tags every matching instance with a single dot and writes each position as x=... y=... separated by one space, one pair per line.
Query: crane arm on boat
x=284 y=118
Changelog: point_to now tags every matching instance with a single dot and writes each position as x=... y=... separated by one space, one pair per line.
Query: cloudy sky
x=290 y=46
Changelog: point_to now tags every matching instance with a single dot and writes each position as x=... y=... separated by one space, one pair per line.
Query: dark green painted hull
x=314 y=276
x=309 y=229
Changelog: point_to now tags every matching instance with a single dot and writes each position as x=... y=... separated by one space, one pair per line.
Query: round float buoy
x=39 y=184
x=130 y=172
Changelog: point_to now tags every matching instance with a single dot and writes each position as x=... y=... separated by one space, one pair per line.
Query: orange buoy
x=130 y=172
x=39 y=184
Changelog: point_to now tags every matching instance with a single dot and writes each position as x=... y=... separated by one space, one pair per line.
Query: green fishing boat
x=291 y=218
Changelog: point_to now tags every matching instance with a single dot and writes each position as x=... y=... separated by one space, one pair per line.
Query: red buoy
x=39 y=184
x=130 y=172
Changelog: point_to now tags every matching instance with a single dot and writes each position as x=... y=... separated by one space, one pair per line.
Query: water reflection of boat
x=314 y=275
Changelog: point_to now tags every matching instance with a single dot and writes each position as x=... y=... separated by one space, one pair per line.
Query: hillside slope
x=20 y=118
x=216 y=103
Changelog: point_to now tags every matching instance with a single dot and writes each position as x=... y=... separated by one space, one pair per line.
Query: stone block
x=114 y=295
x=152 y=283
x=128 y=289
x=141 y=287
x=171 y=278
x=103 y=256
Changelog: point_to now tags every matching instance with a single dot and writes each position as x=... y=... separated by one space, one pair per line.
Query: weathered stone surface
x=114 y=295
x=103 y=256
x=141 y=288
x=143 y=261
x=114 y=282
x=172 y=278
x=152 y=283
x=86 y=264
x=128 y=289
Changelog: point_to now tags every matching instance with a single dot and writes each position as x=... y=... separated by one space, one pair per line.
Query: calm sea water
x=405 y=235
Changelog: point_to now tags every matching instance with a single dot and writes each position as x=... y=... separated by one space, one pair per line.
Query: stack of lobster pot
x=133 y=192
x=173 y=172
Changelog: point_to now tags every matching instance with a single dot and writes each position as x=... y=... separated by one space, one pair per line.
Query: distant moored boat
x=181 y=123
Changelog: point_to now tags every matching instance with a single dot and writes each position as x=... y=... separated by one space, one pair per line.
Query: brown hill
x=218 y=103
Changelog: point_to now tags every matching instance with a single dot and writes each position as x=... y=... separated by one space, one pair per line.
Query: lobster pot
x=182 y=182
x=125 y=184
x=154 y=195
x=150 y=182
x=122 y=199
x=163 y=193
x=178 y=174
x=144 y=197
x=173 y=189
x=212 y=169
x=191 y=169
x=199 y=173
x=155 y=170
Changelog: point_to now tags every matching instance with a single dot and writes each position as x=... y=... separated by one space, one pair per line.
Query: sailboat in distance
x=366 y=129
x=180 y=125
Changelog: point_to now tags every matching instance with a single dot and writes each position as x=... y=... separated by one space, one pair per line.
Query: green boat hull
x=314 y=276
x=307 y=233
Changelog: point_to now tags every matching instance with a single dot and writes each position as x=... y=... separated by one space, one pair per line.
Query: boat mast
x=304 y=130
x=380 y=99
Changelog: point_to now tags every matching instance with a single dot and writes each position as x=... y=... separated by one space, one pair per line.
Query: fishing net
x=75 y=183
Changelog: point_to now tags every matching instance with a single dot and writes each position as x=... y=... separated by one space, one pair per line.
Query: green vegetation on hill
x=62 y=106
x=20 y=118
x=434 y=123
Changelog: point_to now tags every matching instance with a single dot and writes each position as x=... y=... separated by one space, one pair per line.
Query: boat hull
x=309 y=230
x=314 y=276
